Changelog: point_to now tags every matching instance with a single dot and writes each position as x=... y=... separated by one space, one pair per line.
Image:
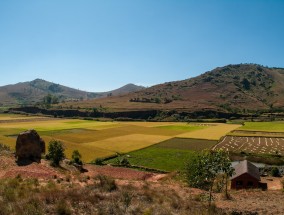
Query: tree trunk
x=226 y=189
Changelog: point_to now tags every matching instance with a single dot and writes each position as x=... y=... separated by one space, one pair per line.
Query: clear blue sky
x=99 y=45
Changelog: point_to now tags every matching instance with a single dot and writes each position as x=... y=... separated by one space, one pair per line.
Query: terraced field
x=258 y=145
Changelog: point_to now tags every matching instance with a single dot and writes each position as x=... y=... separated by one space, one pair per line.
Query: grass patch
x=264 y=126
x=159 y=158
x=187 y=144
x=169 y=155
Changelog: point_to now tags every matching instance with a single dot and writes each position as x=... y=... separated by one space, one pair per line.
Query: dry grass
x=253 y=202
x=101 y=196
x=128 y=143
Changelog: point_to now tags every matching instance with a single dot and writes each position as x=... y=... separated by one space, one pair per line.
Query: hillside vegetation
x=234 y=88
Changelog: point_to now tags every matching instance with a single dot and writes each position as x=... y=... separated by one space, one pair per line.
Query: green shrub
x=55 y=152
x=99 y=161
x=122 y=161
x=275 y=172
x=76 y=157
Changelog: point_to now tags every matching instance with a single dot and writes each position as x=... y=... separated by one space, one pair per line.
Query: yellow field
x=17 y=116
x=99 y=139
x=211 y=132
x=128 y=143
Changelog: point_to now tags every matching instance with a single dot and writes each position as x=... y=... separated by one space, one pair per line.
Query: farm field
x=96 y=139
x=275 y=126
x=249 y=133
x=169 y=155
x=17 y=117
x=258 y=145
x=212 y=132
x=93 y=138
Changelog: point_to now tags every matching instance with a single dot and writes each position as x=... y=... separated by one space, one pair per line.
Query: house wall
x=247 y=182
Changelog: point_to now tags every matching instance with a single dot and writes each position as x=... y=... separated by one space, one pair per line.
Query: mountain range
x=32 y=92
x=236 y=88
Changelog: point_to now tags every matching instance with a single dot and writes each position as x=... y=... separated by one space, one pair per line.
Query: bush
x=62 y=208
x=4 y=149
x=122 y=161
x=76 y=157
x=99 y=161
x=55 y=152
x=275 y=172
x=106 y=183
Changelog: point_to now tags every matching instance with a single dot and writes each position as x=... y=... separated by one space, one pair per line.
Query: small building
x=246 y=176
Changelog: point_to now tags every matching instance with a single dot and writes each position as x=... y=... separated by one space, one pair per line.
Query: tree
x=76 y=157
x=226 y=168
x=204 y=167
x=246 y=84
x=55 y=152
x=49 y=99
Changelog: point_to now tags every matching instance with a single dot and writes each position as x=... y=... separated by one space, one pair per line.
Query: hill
x=128 y=88
x=232 y=88
x=29 y=93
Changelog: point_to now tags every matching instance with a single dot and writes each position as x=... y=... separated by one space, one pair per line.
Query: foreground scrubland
x=42 y=189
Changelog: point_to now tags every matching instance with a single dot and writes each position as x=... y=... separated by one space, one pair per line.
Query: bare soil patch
x=259 y=202
x=121 y=173
x=10 y=169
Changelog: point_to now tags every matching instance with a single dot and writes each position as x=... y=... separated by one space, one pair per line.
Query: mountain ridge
x=32 y=92
x=231 y=88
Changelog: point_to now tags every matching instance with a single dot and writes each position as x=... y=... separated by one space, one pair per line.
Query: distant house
x=246 y=176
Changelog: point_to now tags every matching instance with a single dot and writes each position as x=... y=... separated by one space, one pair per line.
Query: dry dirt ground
x=245 y=201
x=260 y=202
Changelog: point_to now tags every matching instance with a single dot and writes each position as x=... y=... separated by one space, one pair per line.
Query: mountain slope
x=28 y=93
x=231 y=88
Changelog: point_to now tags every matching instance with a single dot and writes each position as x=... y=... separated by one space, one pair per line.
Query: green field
x=169 y=155
x=264 y=126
